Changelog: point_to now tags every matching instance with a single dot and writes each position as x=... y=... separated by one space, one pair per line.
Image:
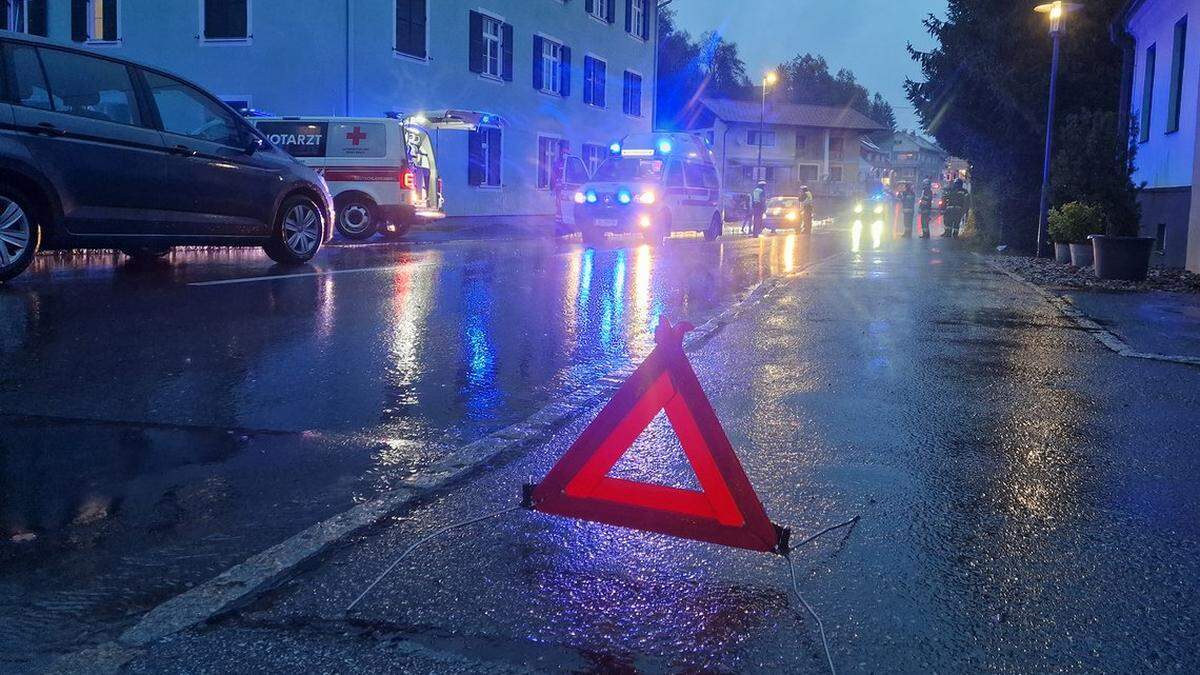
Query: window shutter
x=589 y=6
x=628 y=16
x=645 y=27
x=538 y=76
x=79 y=31
x=612 y=10
x=476 y=44
x=37 y=17
x=110 y=20
x=475 y=156
x=494 y=156
x=589 y=75
x=601 y=84
x=507 y=67
x=566 y=72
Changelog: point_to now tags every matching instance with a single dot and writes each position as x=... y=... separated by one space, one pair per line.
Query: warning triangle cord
x=419 y=542
x=796 y=587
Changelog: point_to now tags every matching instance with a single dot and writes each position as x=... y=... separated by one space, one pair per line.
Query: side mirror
x=253 y=145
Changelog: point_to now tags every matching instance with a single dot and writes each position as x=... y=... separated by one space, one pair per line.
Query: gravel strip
x=1046 y=272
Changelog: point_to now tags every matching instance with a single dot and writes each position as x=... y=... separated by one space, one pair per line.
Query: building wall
x=739 y=153
x=323 y=57
x=1165 y=158
x=1166 y=211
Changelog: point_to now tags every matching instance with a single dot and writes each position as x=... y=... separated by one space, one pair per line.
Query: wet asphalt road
x=163 y=422
x=1028 y=504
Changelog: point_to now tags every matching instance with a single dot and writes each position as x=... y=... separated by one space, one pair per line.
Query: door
x=219 y=186
x=701 y=195
x=676 y=196
x=575 y=174
x=81 y=120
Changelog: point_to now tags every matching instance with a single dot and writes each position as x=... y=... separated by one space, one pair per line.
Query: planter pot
x=1081 y=254
x=1062 y=253
x=1123 y=258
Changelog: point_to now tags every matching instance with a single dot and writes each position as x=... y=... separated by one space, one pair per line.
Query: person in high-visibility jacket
x=908 y=208
x=806 y=209
x=758 y=208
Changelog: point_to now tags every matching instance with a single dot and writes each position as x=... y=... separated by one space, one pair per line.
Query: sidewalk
x=1153 y=323
x=1019 y=511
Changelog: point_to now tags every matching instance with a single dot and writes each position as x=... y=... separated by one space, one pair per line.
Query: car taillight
x=408 y=179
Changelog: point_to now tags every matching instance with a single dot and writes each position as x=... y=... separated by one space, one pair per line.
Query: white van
x=381 y=172
x=655 y=184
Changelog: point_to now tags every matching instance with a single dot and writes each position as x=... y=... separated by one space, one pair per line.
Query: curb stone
x=1103 y=335
x=242 y=583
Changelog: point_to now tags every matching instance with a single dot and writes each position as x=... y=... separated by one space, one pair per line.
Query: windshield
x=783 y=203
x=629 y=168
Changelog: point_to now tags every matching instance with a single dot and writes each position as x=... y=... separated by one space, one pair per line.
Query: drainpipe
x=349 y=55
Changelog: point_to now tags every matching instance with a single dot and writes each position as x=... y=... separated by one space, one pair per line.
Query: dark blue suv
x=97 y=152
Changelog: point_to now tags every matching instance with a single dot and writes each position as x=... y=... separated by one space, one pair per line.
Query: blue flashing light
x=591 y=197
x=665 y=147
x=615 y=148
x=624 y=196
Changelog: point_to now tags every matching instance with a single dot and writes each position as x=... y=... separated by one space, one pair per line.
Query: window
x=835 y=174
x=631 y=100
x=593 y=156
x=484 y=147
x=801 y=144
x=1160 y=239
x=807 y=173
x=595 y=81
x=30 y=81
x=186 y=111
x=752 y=173
x=23 y=16
x=709 y=175
x=550 y=153
x=1147 y=94
x=226 y=19
x=836 y=147
x=675 y=174
x=411 y=19
x=637 y=18
x=90 y=87
x=551 y=66
x=604 y=10
x=491 y=47
x=1177 y=75
x=768 y=138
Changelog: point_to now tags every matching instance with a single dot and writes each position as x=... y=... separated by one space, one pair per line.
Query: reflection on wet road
x=190 y=398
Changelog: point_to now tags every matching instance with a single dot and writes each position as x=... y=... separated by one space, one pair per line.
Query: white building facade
x=557 y=75
x=1160 y=100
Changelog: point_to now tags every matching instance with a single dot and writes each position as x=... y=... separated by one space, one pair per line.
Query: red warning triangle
x=725 y=511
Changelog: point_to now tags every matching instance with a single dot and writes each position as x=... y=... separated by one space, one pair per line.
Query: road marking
x=301 y=275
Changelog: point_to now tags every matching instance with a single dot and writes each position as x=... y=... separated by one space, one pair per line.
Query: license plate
x=606 y=222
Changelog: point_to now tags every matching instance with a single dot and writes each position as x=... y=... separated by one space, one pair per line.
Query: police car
x=655 y=184
x=381 y=172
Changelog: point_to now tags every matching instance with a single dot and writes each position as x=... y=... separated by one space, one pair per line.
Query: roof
x=791 y=114
x=915 y=140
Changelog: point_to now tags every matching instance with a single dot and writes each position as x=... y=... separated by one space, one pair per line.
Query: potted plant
x=1121 y=254
x=1072 y=224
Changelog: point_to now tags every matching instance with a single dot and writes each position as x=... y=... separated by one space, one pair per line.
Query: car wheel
x=146 y=253
x=298 y=230
x=20 y=233
x=356 y=218
x=714 y=228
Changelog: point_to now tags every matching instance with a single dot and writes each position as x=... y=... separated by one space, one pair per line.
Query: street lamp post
x=1057 y=12
x=768 y=80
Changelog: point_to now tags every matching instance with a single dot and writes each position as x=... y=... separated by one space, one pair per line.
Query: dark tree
x=984 y=92
x=689 y=69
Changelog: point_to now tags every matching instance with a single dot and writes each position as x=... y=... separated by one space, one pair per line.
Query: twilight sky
x=866 y=36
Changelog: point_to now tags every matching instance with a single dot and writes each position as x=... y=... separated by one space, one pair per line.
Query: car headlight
x=858 y=208
x=647 y=197
x=580 y=198
x=879 y=208
x=792 y=215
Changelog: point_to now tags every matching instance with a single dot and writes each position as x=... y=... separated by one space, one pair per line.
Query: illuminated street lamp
x=768 y=80
x=1057 y=13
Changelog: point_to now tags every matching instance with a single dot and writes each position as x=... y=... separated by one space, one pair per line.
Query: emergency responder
x=758 y=208
x=955 y=209
x=926 y=208
x=908 y=205
x=806 y=210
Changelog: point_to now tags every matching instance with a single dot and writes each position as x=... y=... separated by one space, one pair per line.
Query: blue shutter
x=538 y=75
x=628 y=16
x=475 y=157
x=36 y=21
x=566 y=72
x=506 y=69
x=475 y=42
x=601 y=84
x=79 y=31
x=612 y=11
x=494 y=156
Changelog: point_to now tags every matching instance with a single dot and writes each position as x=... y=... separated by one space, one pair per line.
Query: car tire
x=715 y=228
x=299 y=231
x=146 y=253
x=356 y=218
x=20 y=233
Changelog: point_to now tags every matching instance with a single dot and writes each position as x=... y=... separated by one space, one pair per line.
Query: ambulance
x=381 y=171
x=654 y=184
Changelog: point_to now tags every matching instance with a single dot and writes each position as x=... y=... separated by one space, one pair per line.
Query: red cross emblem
x=357 y=136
